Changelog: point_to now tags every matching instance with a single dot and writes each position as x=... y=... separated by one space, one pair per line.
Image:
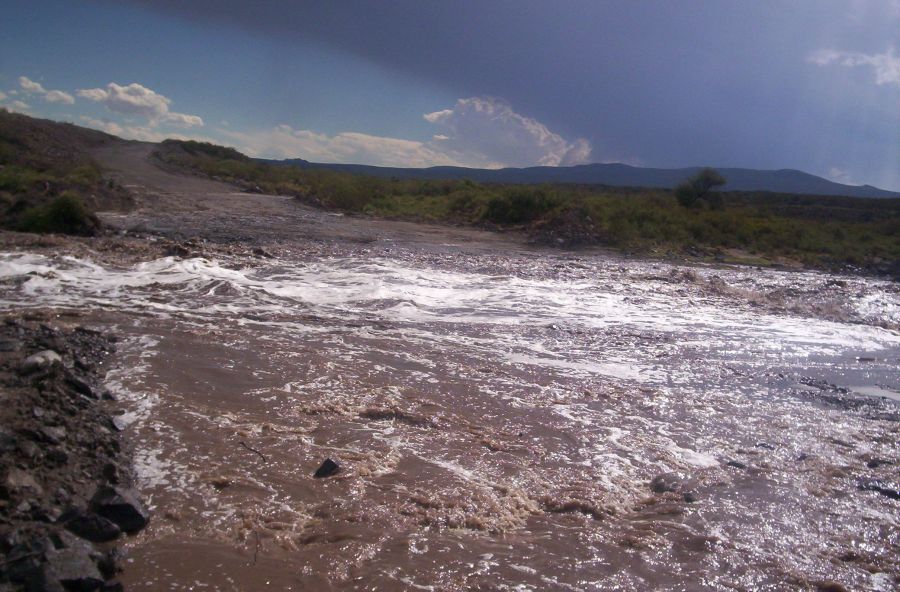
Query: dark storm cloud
x=671 y=83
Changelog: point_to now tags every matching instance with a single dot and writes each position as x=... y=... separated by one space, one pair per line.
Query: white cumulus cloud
x=485 y=131
x=183 y=120
x=58 y=96
x=137 y=100
x=17 y=107
x=886 y=65
x=476 y=132
x=51 y=96
x=30 y=86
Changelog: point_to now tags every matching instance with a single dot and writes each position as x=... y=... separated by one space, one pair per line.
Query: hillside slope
x=48 y=180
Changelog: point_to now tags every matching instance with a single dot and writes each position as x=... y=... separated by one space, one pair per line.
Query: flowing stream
x=498 y=418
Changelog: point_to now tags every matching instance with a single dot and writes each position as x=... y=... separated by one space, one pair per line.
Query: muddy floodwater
x=505 y=417
x=527 y=420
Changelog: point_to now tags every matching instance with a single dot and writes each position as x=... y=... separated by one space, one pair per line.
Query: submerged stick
x=251 y=449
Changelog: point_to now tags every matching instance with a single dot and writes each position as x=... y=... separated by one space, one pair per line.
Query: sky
x=804 y=84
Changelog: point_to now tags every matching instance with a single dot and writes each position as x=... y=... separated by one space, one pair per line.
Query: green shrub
x=698 y=187
x=519 y=205
x=66 y=214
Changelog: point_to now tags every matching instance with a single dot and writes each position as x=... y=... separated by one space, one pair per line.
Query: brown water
x=498 y=417
x=498 y=411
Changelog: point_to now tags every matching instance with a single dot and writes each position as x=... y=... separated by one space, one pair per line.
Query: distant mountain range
x=616 y=175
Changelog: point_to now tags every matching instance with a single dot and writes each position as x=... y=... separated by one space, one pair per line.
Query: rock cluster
x=64 y=476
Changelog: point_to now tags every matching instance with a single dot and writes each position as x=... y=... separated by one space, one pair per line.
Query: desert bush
x=66 y=214
x=520 y=204
x=698 y=187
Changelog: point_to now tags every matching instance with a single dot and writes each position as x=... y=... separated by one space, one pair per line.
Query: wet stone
x=80 y=386
x=891 y=490
x=736 y=464
x=93 y=528
x=74 y=568
x=327 y=469
x=831 y=587
x=119 y=423
x=877 y=462
x=121 y=506
x=666 y=482
x=40 y=361
x=10 y=345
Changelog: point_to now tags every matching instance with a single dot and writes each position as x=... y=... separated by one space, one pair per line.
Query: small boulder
x=121 y=506
x=829 y=586
x=10 y=345
x=19 y=480
x=80 y=386
x=119 y=423
x=40 y=361
x=327 y=469
x=890 y=490
x=736 y=464
x=666 y=482
x=8 y=440
x=74 y=568
x=877 y=462
x=92 y=527
x=52 y=434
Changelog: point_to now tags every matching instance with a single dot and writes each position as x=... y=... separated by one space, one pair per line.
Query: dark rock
x=831 y=587
x=891 y=490
x=54 y=435
x=327 y=469
x=30 y=450
x=107 y=563
x=877 y=462
x=121 y=506
x=22 y=481
x=80 y=386
x=23 y=561
x=74 y=568
x=261 y=252
x=92 y=527
x=803 y=456
x=113 y=586
x=765 y=445
x=111 y=473
x=118 y=423
x=690 y=497
x=40 y=361
x=666 y=482
x=8 y=440
x=10 y=345
x=736 y=464
x=57 y=456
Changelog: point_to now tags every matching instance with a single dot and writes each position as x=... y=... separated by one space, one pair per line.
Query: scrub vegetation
x=749 y=227
x=48 y=183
